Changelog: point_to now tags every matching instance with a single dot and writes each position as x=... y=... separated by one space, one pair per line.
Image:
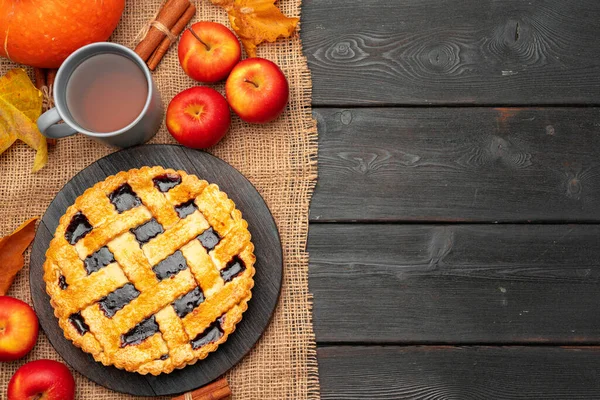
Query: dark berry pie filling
x=166 y=182
x=79 y=323
x=140 y=332
x=185 y=209
x=209 y=239
x=170 y=266
x=118 y=299
x=99 y=259
x=124 y=198
x=186 y=303
x=233 y=268
x=211 y=334
x=147 y=231
x=78 y=228
x=62 y=282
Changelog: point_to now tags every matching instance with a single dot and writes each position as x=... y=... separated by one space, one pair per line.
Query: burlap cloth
x=280 y=160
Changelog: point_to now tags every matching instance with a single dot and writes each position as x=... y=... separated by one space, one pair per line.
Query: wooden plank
x=455 y=284
x=458 y=52
x=433 y=372
x=458 y=164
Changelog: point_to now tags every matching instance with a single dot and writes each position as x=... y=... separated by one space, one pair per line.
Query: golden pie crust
x=144 y=300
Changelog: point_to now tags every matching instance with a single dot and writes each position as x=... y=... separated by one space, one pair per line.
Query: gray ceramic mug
x=142 y=129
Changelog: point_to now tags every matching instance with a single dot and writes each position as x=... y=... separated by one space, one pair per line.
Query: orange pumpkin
x=42 y=33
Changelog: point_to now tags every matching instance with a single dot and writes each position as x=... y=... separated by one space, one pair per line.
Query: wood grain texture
x=463 y=52
x=456 y=283
x=459 y=373
x=458 y=164
x=267 y=279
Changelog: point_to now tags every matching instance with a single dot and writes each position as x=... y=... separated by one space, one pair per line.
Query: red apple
x=257 y=90
x=198 y=117
x=18 y=328
x=208 y=51
x=42 y=379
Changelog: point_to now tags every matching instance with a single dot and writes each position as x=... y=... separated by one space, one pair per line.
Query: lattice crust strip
x=150 y=270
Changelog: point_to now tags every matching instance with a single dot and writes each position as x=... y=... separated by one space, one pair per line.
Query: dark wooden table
x=454 y=240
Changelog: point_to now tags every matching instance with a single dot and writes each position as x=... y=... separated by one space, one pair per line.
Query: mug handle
x=47 y=124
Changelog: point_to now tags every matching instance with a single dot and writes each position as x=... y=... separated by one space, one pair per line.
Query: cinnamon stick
x=51 y=76
x=40 y=77
x=179 y=26
x=168 y=16
x=218 y=390
x=44 y=78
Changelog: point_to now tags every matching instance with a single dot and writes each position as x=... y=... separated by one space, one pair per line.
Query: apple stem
x=198 y=38
x=249 y=81
x=38 y=396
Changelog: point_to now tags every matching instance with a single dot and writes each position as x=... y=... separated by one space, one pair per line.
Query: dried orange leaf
x=12 y=248
x=257 y=21
x=20 y=106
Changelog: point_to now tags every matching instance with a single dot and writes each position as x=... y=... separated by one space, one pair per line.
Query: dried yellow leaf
x=20 y=107
x=7 y=138
x=17 y=89
x=257 y=21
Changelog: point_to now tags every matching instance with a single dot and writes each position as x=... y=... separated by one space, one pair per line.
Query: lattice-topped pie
x=150 y=270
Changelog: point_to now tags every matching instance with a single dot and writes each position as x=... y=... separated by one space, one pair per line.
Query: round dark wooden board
x=267 y=280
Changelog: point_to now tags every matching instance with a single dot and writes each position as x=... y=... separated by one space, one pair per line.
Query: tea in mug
x=106 y=92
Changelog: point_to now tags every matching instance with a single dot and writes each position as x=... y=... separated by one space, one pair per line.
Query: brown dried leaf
x=20 y=106
x=257 y=21
x=12 y=248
